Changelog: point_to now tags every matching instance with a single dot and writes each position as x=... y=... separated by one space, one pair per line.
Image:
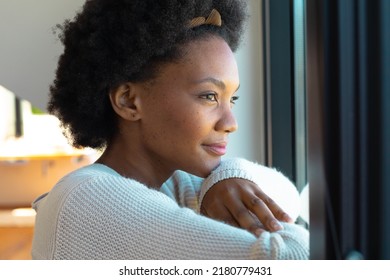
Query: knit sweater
x=95 y=213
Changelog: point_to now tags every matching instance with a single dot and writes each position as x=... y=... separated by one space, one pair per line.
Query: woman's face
x=187 y=110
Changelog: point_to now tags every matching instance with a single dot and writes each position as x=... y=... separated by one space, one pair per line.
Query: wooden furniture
x=24 y=178
x=15 y=243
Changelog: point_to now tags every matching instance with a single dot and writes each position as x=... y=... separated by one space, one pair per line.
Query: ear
x=125 y=101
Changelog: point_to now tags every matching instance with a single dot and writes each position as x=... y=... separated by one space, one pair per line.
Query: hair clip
x=214 y=18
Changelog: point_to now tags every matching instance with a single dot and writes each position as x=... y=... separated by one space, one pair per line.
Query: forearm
x=273 y=183
x=145 y=224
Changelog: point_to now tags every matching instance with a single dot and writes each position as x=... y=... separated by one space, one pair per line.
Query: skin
x=181 y=119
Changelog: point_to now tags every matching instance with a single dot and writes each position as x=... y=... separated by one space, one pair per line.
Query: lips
x=216 y=149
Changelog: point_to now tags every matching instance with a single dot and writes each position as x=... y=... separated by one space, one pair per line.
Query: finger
x=260 y=229
x=220 y=213
x=244 y=218
x=265 y=215
x=276 y=210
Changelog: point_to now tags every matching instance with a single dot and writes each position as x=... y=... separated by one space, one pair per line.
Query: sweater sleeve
x=183 y=188
x=95 y=214
x=188 y=190
x=272 y=182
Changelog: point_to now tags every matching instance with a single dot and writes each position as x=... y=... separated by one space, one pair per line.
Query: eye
x=209 y=96
x=234 y=99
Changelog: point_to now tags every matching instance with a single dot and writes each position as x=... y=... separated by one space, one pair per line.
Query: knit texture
x=271 y=181
x=95 y=213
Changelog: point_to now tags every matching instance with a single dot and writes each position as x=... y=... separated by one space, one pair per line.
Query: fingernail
x=287 y=218
x=258 y=232
x=276 y=225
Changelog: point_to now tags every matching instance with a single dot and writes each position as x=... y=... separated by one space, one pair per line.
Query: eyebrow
x=214 y=81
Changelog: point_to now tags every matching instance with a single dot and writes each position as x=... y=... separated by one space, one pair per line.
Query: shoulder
x=99 y=180
x=92 y=183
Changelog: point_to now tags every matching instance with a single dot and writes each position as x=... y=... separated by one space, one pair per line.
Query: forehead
x=204 y=58
x=210 y=52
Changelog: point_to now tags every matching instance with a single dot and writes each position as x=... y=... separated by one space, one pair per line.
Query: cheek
x=186 y=126
x=177 y=121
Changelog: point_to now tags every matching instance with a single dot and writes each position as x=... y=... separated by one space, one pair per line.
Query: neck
x=131 y=161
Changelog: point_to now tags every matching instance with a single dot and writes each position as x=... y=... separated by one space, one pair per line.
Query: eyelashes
x=213 y=97
x=209 y=97
x=234 y=99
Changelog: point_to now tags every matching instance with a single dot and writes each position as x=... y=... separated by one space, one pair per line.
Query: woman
x=153 y=84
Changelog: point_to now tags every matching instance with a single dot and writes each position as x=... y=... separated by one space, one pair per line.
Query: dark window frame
x=285 y=102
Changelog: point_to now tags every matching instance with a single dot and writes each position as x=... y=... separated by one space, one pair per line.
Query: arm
x=240 y=187
x=111 y=217
x=274 y=184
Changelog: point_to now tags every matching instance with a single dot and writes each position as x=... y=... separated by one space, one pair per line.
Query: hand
x=242 y=203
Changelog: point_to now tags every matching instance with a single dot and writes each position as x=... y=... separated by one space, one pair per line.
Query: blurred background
x=34 y=154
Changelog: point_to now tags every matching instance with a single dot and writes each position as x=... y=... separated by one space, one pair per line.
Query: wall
x=248 y=141
x=29 y=50
x=7 y=113
x=29 y=53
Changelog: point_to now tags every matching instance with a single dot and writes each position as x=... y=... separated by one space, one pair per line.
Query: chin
x=203 y=170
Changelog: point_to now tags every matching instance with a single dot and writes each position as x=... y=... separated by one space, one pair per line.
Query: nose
x=227 y=121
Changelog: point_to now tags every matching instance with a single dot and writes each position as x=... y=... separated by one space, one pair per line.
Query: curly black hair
x=110 y=42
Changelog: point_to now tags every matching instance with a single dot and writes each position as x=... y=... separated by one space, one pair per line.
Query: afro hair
x=112 y=42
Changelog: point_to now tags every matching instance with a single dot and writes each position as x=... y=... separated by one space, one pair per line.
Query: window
x=284 y=45
x=333 y=59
